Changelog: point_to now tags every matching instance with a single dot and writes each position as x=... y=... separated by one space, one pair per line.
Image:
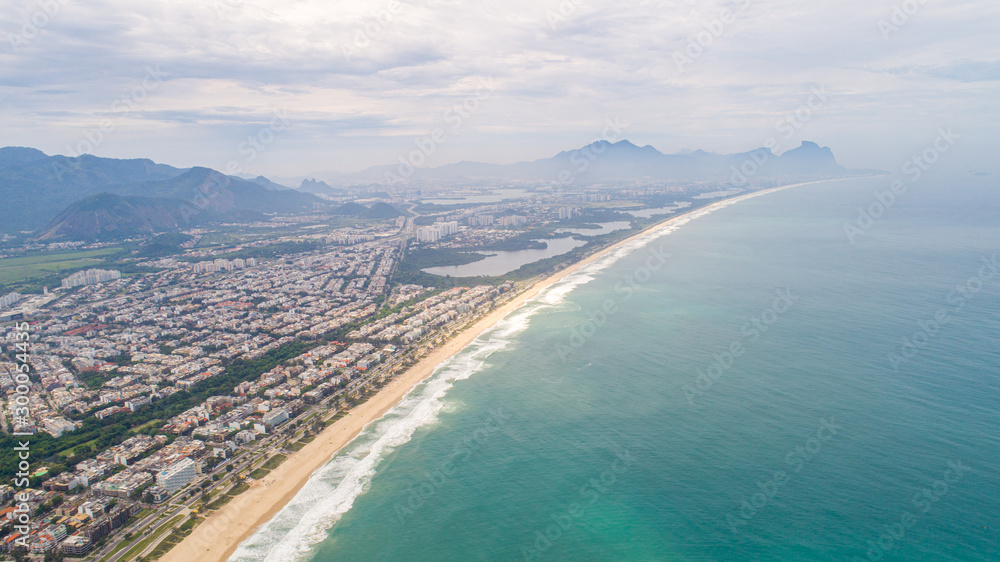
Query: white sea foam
x=330 y=492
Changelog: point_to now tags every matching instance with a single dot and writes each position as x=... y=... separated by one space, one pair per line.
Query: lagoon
x=501 y=262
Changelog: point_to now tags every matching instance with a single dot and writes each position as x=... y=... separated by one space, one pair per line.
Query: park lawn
x=273 y=462
x=219 y=502
x=146 y=426
x=66 y=453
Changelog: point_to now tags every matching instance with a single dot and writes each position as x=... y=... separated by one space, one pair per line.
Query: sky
x=310 y=87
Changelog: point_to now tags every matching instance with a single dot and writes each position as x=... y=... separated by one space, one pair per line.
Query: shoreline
x=224 y=530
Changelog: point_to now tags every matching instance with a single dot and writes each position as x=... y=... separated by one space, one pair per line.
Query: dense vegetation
x=163 y=245
x=269 y=251
x=409 y=269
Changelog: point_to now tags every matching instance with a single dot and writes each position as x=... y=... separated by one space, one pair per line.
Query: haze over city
x=555 y=280
x=359 y=82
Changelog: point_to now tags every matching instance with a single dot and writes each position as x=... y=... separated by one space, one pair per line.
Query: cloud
x=967 y=71
x=388 y=71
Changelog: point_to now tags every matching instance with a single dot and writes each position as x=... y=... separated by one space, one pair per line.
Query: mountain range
x=318 y=187
x=604 y=161
x=115 y=196
x=93 y=198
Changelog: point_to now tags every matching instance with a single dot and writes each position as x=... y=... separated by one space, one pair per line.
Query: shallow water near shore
x=736 y=400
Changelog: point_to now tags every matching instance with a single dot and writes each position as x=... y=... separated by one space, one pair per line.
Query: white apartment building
x=177 y=475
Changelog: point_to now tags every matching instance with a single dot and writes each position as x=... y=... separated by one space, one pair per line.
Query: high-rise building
x=481 y=220
x=274 y=417
x=177 y=475
x=437 y=231
x=512 y=220
x=9 y=299
x=90 y=277
x=222 y=264
x=428 y=234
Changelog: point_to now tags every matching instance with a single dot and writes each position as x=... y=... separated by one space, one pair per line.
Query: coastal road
x=268 y=446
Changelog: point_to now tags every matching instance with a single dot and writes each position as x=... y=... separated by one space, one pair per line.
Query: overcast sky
x=341 y=85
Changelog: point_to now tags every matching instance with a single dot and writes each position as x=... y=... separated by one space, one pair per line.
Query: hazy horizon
x=319 y=175
x=756 y=321
x=342 y=88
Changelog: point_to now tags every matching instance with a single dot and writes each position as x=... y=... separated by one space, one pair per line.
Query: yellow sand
x=217 y=537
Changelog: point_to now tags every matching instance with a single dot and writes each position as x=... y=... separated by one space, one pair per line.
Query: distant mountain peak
x=623 y=144
x=126 y=195
x=317 y=187
x=602 y=161
x=268 y=184
x=810 y=147
x=105 y=216
x=19 y=155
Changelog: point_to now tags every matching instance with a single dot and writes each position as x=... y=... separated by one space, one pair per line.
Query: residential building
x=177 y=475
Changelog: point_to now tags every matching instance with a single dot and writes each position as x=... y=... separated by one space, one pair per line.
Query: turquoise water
x=739 y=402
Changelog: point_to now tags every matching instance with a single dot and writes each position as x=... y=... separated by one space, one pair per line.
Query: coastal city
x=153 y=399
x=405 y=281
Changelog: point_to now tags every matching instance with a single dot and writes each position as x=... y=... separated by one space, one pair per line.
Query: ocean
x=786 y=377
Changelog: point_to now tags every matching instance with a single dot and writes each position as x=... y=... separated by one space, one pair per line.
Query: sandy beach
x=217 y=537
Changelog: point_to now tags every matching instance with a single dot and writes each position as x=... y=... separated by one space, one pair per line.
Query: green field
x=273 y=462
x=81 y=447
x=145 y=426
x=216 y=239
x=23 y=270
x=259 y=473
